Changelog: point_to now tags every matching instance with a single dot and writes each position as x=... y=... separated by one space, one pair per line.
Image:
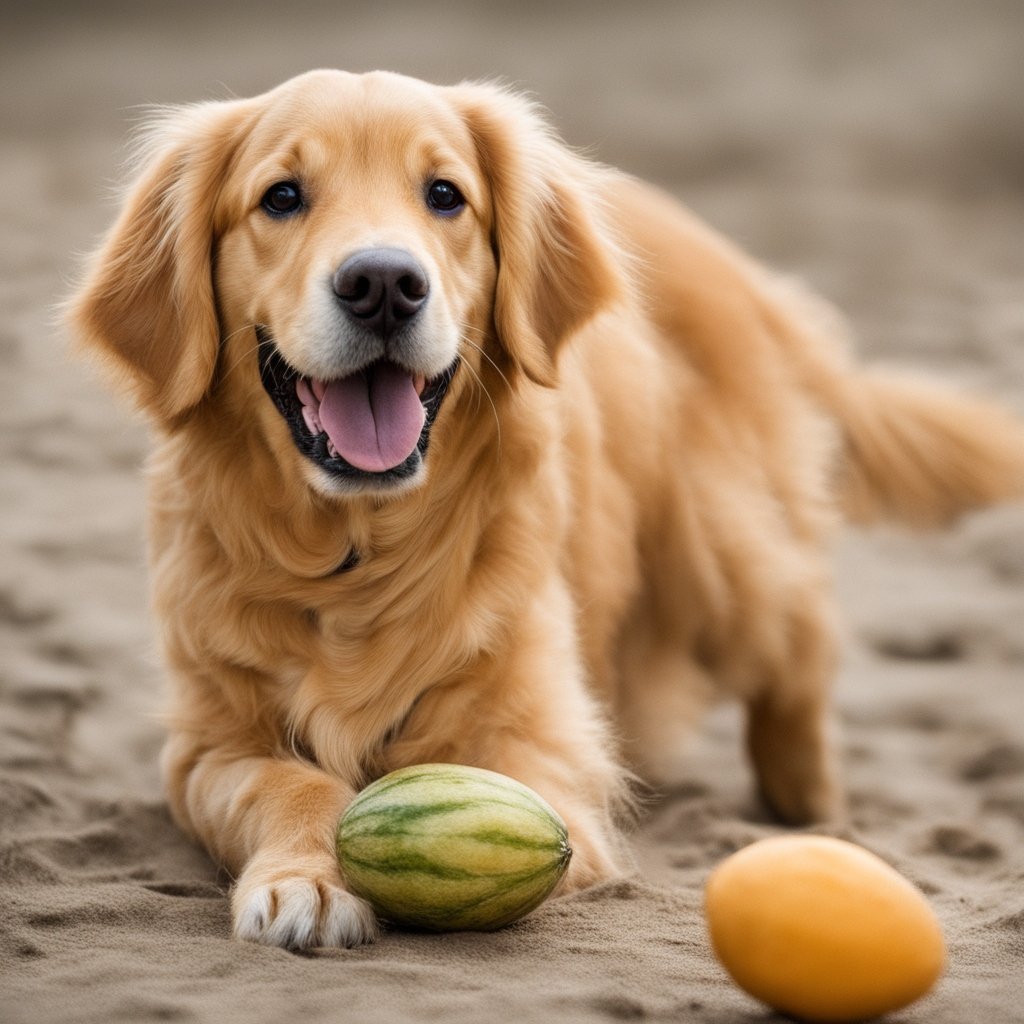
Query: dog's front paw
x=299 y=906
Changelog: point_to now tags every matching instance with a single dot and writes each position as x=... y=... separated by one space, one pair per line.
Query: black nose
x=381 y=288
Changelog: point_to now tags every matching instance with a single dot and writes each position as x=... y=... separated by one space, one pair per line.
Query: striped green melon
x=449 y=848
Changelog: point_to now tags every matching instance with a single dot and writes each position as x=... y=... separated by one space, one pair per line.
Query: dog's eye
x=444 y=197
x=282 y=198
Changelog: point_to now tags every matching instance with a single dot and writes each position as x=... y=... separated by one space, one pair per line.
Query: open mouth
x=371 y=426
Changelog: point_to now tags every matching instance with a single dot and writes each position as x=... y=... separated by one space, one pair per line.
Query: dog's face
x=331 y=262
x=359 y=250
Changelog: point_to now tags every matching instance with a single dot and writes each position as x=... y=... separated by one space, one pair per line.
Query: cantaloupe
x=822 y=929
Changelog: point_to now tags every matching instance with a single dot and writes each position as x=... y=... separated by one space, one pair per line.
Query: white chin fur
x=331 y=486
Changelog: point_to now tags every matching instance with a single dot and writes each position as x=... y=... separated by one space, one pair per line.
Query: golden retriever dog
x=470 y=450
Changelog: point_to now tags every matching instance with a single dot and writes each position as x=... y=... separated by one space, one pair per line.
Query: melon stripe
x=508 y=894
x=395 y=816
x=505 y=894
x=417 y=863
x=508 y=897
x=356 y=814
x=490 y=838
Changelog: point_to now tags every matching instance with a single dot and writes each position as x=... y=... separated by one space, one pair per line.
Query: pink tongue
x=374 y=417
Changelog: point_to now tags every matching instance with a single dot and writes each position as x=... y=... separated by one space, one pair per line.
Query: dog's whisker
x=478 y=348
x=239 y=330
x=242 y=356
x=494 y=409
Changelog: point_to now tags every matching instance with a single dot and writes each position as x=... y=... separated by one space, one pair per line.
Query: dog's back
x=738 y=432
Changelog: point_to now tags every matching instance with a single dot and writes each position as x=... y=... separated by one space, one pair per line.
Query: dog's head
x=328 y=262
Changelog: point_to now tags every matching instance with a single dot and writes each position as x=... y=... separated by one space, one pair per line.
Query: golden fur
x=625 y=509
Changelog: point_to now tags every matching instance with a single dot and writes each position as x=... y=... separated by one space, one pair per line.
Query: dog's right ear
x=558 y=264
x=146 y=306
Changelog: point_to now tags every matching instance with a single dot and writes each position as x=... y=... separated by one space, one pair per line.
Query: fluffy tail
x=914 y=451
x=923 y=455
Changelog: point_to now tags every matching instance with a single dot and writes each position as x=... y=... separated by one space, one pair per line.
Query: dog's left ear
x=146 y=306
x=556 y=261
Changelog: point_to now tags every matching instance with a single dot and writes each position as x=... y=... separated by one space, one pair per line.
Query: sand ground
x=877 y=149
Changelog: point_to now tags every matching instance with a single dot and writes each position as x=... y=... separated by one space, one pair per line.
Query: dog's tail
x=917 y=453
x=914 y=451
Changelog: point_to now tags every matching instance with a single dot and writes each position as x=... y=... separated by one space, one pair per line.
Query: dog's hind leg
x=788 y=722
x=663 y=697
